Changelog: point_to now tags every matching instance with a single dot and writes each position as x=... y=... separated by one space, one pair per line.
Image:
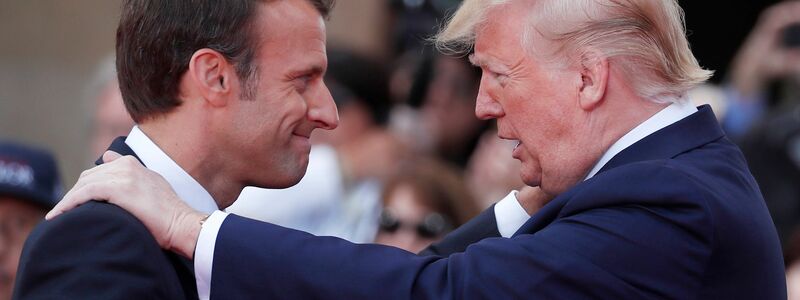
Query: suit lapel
x=119 y=146
x=693 y=131
x=183 y=267
x=689 y=133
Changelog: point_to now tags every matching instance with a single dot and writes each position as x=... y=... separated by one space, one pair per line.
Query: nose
x=486 y=107
x=322 y=110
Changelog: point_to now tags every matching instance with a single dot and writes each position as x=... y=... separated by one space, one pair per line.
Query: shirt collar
x=667 y=116
x=156 y=160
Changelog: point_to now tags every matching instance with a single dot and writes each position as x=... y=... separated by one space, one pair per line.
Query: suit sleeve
x=96 y=251
x=640 y=242
x=605 y=253
x=481 y=227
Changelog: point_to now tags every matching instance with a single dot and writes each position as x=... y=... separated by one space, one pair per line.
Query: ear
x=594 y=80
x=212 y=76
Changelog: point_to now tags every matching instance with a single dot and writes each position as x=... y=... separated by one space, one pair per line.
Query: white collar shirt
x=156 y=160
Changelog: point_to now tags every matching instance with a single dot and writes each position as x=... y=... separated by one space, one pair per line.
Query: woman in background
x=424 y=201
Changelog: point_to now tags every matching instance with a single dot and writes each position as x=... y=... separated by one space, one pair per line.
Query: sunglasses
x=432 y=226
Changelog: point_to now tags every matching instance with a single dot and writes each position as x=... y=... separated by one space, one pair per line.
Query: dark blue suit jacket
x=100 y=251
x=676 y=215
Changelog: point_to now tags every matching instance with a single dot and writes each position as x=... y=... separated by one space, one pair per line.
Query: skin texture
x=564 y=111
x=516 y=86
x=226 y=142
x=17 y=220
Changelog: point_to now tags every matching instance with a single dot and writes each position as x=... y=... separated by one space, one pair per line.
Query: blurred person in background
x=437 y=117
x=424 y=201
x=435 y=93
x=340 y=193
x=29 y=187
x=490 y=173
x=108 y=117
x=448 y=111
x=763 y=97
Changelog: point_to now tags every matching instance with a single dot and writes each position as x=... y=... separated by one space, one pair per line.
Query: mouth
x=302 y=134
x=517 y=143
x=511 y=139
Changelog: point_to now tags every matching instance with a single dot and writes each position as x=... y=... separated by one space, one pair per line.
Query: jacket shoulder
x=93 y=219
x=96 y=244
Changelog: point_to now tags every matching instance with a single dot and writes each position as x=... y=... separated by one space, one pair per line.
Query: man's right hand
x=532 y=199
x=125 y=182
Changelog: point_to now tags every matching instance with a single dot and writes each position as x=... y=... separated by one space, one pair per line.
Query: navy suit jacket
x=677 y=216
x=100 y=251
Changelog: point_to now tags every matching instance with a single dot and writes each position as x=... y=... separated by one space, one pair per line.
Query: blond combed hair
x=645 y=38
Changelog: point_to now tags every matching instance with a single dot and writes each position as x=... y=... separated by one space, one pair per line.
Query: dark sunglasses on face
x=432 y=226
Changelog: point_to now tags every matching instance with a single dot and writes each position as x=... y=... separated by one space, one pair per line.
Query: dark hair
x=352 y=77
x=157 y=38
x=437 y=185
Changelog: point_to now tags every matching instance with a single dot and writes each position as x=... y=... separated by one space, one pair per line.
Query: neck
x=187 y=143
x=617 y=118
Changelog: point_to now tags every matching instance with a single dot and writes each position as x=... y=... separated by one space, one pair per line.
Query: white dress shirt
x=184 y=185
x=509 y=214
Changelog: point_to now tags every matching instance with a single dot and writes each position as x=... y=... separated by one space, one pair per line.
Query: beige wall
x=49 y=50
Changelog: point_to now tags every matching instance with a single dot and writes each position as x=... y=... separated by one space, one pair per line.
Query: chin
x=530 y=178
x=285 y=179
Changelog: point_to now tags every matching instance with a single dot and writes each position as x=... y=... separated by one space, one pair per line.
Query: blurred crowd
x=410 y=161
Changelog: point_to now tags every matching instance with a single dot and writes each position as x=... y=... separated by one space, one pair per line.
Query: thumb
x=110 y=156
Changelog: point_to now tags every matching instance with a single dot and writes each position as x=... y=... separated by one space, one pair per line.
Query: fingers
x=75 y=197
x=86 y=189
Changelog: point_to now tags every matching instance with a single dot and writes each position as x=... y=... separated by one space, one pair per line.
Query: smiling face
x=267 y=138
x=535 y=101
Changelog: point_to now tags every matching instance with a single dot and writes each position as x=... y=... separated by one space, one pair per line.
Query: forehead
x=292 y=31
x=501 y=33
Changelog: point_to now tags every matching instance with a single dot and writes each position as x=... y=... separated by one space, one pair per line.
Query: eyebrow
x=487 y=62
x=316 y=69
x=475 y=61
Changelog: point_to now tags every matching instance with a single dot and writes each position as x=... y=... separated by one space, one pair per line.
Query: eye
x=501 y=78
x=301 y=82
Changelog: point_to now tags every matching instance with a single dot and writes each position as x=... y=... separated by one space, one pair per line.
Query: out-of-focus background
x=410 y=161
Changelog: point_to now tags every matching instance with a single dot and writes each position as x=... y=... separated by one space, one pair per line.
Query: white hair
x=645 y=38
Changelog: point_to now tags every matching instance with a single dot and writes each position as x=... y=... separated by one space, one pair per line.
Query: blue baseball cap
x=29 y=174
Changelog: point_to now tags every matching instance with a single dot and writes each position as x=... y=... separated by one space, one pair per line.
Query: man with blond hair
x=634 y=193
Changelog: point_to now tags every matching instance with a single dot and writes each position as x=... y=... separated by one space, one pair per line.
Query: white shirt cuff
x=510 y=215
x=204 y=253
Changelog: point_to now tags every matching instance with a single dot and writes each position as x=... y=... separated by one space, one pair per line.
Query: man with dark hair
x=340 y=192
x=210 y=84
